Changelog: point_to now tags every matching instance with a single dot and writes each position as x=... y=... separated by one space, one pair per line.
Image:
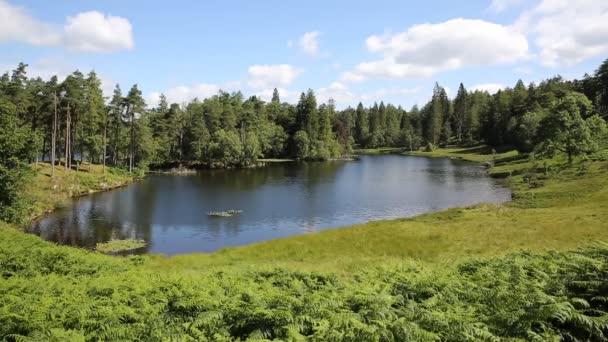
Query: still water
x=170 y=212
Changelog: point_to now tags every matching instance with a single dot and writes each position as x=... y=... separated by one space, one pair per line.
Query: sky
x=350 y=51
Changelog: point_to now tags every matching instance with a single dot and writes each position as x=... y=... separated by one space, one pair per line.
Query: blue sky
x=348 y=50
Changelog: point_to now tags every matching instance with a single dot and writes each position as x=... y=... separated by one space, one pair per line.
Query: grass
x=114 y=246
x=486 y=272
x=58 y=293
x=47 y=193
x=379 y=150
x=555 y=207
x=566 y=208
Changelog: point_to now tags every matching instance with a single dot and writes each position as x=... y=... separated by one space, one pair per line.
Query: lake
x=281 y=199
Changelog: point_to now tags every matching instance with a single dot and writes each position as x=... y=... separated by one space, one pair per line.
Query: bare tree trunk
x=105 y=144
x=68 y=154
x=131 y=152
x=54 y=138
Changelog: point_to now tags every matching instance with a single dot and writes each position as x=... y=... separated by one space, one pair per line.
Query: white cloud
x=271 y=76
x=184 y=94
x=87 y=32
x=284 y=94
x=567 y=32
x=491 y=88
x=343 y=96
x=309 y=43
x=501 y=5
x=96 y=32
x=16 y=24
x=336 y=91
x=426 y=49
x=181 y=94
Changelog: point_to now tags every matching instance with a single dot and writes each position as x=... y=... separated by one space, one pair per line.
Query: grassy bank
x=530 y=269
x=379 y=150
x=47 y=193
x=564 y=208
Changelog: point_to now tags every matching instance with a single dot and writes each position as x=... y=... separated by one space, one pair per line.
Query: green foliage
x=15 y=146
x=127 y=134
x=113 y=246
x=302 y=145
x=49 y=292
x=565 y=130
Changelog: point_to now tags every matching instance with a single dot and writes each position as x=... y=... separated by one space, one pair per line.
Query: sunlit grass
x=114 y=246
x=47 y=193
x=563 y=209
x=379 y=150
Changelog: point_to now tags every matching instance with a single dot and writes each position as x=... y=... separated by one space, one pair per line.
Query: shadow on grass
x=511 y=159
x=475 y=150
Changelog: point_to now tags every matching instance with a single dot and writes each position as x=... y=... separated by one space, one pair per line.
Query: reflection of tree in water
x=278 y=200
x=250 y=179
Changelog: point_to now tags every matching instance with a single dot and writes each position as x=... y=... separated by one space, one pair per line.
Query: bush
x=49 y=292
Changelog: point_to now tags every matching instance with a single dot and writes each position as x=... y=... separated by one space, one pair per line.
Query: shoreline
x=354 y=157
x=49 y=194
x=536 y=218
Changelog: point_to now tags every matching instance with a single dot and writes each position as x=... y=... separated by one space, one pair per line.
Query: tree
x=115 y=124
x=460 y=111
x=601 y=84
x=135 y=105
x=564 y=129
x=94 y=114
x=361 y=125
x=302 y=145
x=439 y=106
x=15 y=148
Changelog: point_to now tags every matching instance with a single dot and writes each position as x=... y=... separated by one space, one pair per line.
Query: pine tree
x=461 y=109
x=135 y=105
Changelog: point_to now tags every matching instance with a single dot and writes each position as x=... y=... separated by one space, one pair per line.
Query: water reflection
x=170 y=212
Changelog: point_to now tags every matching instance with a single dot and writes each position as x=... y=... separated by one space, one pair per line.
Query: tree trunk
x=54 y=137
x=67 y=140
x=132 y=147
x=105 y=144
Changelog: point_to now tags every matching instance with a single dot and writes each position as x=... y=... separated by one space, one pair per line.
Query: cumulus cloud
x=284 y=94
x=85 y=32
x=16 y=24
x=95 y=32
x=567 y=32
x=501 y=5
x=336 y=91
x=184 y=94
x=270 y=76
x=343 y=96
x=491 y=88
x=426 y=49
x=309 y=43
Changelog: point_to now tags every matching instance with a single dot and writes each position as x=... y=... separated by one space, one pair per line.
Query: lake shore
x=447 y=265
x=48 y=193
x=541 y=216
x=539 y=211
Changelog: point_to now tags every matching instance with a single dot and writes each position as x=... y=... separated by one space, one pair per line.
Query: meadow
x=530 y=269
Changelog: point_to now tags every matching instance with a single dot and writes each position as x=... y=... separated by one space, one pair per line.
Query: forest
x=435 y=277
x=69 y=122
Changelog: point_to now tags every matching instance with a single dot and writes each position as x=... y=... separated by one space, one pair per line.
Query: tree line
x=69 y=122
